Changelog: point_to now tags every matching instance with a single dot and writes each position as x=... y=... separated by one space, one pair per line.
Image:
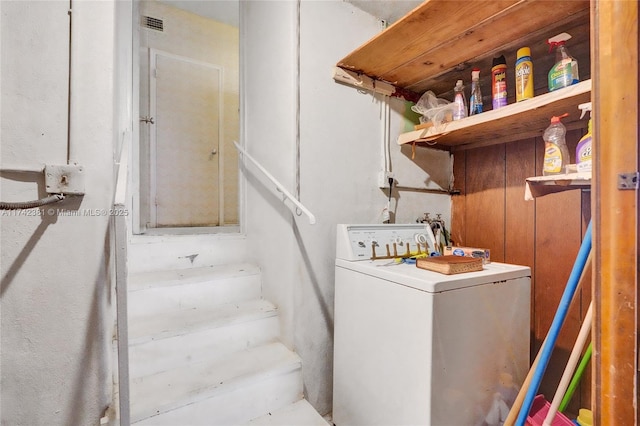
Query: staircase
x=204 y=350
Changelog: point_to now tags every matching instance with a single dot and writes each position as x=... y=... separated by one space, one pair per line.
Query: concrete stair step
x=225 y=392
x=300 y=413
x=158 y=292
x=211 y=344
x=177 y=323
x=165 y=252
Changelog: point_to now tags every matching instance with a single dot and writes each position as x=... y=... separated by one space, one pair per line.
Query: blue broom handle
x=558 y=320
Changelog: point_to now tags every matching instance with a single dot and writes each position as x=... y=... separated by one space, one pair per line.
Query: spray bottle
x=565 y=71
x=524 y=75
x=499 y=82
x=556 y=153
x=460 y=107
x=475 y=100
x=583 y=150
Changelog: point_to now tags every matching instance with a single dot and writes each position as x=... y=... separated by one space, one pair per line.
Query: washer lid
x=434 y=282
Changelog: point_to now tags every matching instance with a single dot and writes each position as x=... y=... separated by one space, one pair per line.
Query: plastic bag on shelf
x=435 y=110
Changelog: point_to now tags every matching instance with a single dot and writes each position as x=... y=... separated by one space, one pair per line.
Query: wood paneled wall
x=544 y=234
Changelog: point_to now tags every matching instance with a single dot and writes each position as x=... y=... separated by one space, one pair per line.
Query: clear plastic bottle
x=556 y=153
x=475 y=100
x=565 y=71
x=460 y=107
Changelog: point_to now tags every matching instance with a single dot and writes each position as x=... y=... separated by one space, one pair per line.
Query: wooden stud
x=614 y=41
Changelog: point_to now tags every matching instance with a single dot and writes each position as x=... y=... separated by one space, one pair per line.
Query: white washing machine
x=415 y=347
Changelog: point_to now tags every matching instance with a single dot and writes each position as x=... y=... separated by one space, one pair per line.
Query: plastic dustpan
x=539 y=410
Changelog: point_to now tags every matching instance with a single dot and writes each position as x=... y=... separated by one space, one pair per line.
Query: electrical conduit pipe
x=556 y=325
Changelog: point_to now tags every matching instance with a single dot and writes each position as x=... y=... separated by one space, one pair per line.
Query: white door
x=185 y=104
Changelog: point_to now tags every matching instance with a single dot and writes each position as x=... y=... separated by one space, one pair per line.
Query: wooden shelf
x=521 y=120
x=543 y=185
x=433 y=45
x=439 y=42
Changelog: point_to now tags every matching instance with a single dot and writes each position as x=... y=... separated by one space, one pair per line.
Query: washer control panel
x=364 y=242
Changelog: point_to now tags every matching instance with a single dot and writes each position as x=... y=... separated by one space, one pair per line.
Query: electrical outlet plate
x=66 y=179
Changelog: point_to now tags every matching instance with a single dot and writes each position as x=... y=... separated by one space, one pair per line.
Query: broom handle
x=583 y=335
x=517 y=404
x=577 y=272
x=576 y=379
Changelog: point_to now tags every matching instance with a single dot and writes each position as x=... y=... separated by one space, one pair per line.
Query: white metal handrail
x=279 y=187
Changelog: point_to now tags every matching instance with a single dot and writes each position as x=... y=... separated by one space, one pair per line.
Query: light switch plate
x=65 y=179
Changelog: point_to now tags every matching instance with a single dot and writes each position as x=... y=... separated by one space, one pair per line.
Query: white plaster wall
x=340 y=137
x=268 y=63
x=57 y=322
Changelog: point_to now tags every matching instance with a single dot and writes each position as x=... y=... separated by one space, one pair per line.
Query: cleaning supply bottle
x=556 y=153
x=524 y=75
x=460 y=107
x=583 y=150
x=565 y=71
x=475 y=100
x=585 y=417
x=499 y=82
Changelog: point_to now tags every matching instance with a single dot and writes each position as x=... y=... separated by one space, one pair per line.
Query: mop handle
x=556 y=325
x=517 y=404
x=583 y=335
x=576 y=378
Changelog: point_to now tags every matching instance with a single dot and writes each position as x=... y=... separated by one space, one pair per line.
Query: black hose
x=32 y=204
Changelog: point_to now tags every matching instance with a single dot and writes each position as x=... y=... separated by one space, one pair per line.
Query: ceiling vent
x=153 y=23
